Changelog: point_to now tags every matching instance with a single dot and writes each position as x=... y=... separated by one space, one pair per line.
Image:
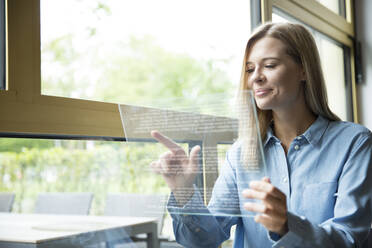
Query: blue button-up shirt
x=326 y=176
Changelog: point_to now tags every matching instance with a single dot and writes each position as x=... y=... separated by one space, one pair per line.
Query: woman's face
x=274 y=76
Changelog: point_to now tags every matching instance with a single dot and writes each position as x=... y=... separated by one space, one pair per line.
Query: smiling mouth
x=261 y=92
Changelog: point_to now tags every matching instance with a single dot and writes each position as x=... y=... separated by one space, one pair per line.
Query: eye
x=249 y=69
x=270 y=66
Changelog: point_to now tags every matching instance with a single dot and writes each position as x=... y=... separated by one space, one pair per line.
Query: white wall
x=363 y=10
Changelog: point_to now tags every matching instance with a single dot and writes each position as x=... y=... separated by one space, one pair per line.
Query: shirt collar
x=312 y=134
x=270 y=135
x=316 y=130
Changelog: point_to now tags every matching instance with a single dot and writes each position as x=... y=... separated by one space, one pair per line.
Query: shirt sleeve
x=352 y=212
x=196 y=225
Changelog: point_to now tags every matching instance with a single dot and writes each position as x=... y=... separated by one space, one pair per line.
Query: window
x=90 y=55
x=337 y=6
x=2 y=45
x=119 y=51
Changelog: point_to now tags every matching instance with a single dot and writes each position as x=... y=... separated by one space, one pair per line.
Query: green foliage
x=17 y=145
x=139 y=72
x=103 y=169
x=143 y=72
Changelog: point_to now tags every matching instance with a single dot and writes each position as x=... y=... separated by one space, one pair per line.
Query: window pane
x=2 y=44
x=119 y=51
x=333 y=57
x=32 y=166
x=337 y=6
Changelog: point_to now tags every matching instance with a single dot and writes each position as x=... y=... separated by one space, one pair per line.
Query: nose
x=257 y=76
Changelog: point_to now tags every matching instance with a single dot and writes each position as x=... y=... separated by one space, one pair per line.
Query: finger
x=170 y=144
x=267 y=187
x=167 y=160
x=272 y=206
x=266 y=179
x=257 y=207
x=194 y=155
x=267 y=198
x=156 y=167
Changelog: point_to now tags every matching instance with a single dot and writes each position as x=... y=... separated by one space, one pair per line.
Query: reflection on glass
x=180 y=170
x=121 y=51
x=333 y=65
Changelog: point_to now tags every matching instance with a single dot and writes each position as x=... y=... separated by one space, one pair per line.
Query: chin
x=263 y=105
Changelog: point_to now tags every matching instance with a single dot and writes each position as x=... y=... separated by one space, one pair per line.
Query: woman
x=318 y=188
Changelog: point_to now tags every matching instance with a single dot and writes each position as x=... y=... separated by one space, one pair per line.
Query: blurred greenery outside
x=140 y=72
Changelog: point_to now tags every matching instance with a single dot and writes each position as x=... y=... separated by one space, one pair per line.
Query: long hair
x=301 y=47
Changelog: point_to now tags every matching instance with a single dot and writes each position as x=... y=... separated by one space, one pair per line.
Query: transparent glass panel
x=117 y=174
x=127 y=51
x=222 y=149
x=181 y=169
x=332 y=56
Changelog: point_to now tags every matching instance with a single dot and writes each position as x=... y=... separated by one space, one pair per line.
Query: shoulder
x=350 y=130
x=348 y=134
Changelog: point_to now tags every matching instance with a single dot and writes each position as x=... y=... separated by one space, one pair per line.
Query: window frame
x=2 y=46
x=25 y=112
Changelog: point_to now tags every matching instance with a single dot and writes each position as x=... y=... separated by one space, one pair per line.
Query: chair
x=63 y=203
x=138 y=205
x=6 y=202
x=368 y=242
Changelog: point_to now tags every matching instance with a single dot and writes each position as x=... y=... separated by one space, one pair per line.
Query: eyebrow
x=264 y=59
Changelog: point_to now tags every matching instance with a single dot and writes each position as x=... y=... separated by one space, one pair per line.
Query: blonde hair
x=302 y=48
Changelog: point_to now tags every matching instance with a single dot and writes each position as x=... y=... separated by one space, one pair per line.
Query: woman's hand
x=273 y=207
x=177 y=168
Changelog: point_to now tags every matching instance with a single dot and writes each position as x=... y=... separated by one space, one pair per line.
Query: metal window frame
x=2 y=46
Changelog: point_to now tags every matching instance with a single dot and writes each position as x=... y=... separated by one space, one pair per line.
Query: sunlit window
x=135 y=51
x=337 y=6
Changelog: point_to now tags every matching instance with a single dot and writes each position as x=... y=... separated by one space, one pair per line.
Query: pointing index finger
x=170 y=144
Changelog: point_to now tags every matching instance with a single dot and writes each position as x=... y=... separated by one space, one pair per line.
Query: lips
x=261 y=92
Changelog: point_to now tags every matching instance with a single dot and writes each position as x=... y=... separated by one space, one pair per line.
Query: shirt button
x=285 y=179
x=299 y=138
x=297 y=147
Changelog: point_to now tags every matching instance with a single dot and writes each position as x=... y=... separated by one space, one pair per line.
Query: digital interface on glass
x=205 y=122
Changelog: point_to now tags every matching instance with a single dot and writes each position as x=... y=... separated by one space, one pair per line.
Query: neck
x=291 y=123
